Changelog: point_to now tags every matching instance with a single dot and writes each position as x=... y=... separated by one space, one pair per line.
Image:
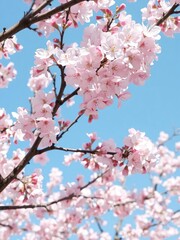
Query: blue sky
x=152 y=108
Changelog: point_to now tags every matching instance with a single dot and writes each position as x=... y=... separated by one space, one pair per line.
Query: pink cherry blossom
x=5 y=120
x=142 y=154
x=163 y=137
x=9 y=47
x=24 y=125
x=115 y=52
x=55 y=178
x=42 y=104
x=39 y=82
x=155 y=11
x=47 y=130
x=172 y=185
x=177 y=146
x=7 y=74
x=41 y=158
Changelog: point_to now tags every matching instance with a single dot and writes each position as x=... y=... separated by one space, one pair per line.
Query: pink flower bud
x=98 y=17
x=120 y=8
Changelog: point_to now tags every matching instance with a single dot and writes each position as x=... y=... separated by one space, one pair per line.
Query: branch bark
x=32 y=152
x=166 y=15
x=69 y=197
x=35 y=17
x=74 y=150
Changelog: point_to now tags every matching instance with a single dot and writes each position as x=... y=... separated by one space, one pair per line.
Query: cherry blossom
x=154 y=12
x=5 y=120
x=177 y=146
x=24 y=125
x=47 y=131
x=41 y=158
x=7 y=74
x=42 y=199
x=9 y=47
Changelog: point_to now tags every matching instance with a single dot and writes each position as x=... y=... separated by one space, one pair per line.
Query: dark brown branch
x=53 y=147
x=31 y=7
x=40 y=8
x=75 y=92
x=31 y=206
x=94 y=180
x=58 y=102
x=53 y=76
x=166 y=15
x=32 y=152
x=98 y=224
x=67 y=129
x=5 y=225
x=69 y=197
x=176 y=211
x=58 y=9
x=32 y=18
x=84 y=151
x=117 y=229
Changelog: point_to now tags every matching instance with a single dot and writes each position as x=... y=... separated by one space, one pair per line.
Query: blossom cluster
x=105 y=65
x=7 y=73
x=73 y=205
x=39 y=123
x=78 y=13
x=115 y=52
x=137 y=155
x=155 y=11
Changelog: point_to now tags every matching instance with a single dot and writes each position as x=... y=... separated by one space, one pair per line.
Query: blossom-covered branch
x=65 y=198
x=114 y=53
x=167 y=14
x=34 y=17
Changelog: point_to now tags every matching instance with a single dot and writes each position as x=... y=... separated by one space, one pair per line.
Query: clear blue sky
x=152 y=108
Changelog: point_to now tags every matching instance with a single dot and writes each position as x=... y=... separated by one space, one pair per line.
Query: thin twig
x=175 y=133
x=58 y=102
x=30 y=19
x=117 y=228
x=67 y=129
x=53 y=76
x=69 y=197
x=31 y=7
x=74 y=150
x=6 y=225
x=40 y=8
x=75 y=92
x=98 y=224
x=32 y=152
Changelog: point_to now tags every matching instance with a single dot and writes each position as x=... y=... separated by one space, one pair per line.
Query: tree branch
x=32 y=18
x=69 y=197
x=175 y=133
x=40 y=8
x=58 y=102
x=117 y=229
x=99 y=224
x=5 y=225
x=84 y=151
x=32 y=152
x=166 y=15
x=75 y=92
x=67 y=129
